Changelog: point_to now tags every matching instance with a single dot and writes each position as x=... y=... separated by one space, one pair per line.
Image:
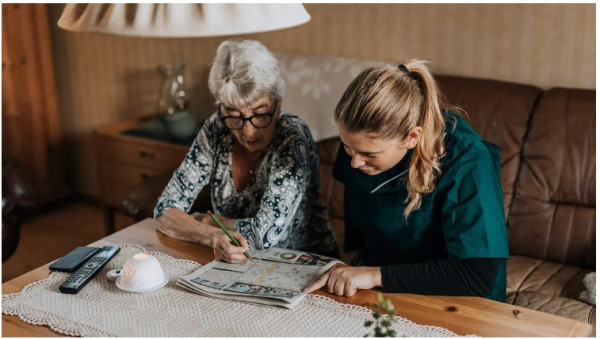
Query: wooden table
x=463 y=315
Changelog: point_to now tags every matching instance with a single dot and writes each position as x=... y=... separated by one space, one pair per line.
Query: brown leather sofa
x=548 y=148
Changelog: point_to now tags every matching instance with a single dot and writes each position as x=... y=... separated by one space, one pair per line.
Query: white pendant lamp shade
x=181 y=20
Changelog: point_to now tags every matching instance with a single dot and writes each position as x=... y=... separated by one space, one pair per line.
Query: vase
x=172 y=105
x=173 y=94
x=181 y=124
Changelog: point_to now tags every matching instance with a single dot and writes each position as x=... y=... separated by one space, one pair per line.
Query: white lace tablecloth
x=101 y=309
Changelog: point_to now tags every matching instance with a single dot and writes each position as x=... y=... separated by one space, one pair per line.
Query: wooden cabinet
x=125 y=161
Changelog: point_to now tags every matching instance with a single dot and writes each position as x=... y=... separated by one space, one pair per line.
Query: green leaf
x=378 y=332
x=386 y=323
x=376 y=315
x=368 y=323
x=391 y=333
x=380 y=297
x=389 y=306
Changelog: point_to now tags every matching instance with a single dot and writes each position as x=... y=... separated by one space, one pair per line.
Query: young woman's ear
x=414 y=135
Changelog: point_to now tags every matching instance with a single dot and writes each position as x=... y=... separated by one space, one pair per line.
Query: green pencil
x=228 y=234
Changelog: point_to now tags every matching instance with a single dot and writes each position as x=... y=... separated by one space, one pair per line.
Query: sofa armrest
x=19 y=196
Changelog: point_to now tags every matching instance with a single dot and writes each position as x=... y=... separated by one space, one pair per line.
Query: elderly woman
x=261 y=164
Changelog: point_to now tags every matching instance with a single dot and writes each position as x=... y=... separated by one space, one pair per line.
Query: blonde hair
x=389 y=101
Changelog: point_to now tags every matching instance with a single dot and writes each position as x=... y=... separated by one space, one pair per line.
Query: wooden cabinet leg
x=109 y=220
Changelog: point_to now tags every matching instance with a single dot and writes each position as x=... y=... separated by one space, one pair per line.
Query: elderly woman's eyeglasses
x=261 y=120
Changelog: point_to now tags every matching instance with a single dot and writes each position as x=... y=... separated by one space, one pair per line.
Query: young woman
x=422 y=194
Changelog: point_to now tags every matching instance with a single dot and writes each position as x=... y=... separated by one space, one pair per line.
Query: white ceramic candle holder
x=142 y=273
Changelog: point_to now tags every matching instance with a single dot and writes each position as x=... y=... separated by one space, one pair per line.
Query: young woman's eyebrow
x=363 y=152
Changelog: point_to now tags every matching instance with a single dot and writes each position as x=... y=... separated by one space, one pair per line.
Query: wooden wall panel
x=105 y=79
x=30 y=119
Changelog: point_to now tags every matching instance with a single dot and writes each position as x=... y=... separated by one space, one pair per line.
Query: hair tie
x=404 y=69
x=412 y=75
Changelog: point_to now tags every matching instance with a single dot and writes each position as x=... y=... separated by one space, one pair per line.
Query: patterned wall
x=103 y=79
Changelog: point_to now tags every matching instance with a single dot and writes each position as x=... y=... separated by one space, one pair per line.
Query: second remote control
x=88 y=271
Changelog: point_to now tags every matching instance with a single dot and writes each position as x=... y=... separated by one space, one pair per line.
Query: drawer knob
x=146 y=154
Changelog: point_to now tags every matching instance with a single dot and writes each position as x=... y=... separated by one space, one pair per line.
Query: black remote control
x=89 y=270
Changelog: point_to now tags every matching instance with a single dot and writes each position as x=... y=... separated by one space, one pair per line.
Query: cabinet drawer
x=127 y=174
x=153 y=156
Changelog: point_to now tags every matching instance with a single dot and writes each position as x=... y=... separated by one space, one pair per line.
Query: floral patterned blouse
x=280 y=206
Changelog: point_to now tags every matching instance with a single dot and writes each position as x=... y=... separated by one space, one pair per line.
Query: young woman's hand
x=345 y=280
x=225 y=250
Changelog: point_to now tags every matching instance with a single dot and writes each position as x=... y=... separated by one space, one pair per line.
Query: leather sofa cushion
x=548 y=287
x=337 y=224
x=332 y=191
x=527 y=274
x=500 y=112
x=553 y=215
x=564 y=307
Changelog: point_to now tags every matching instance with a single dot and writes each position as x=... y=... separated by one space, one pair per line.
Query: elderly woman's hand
x=206 y=219
x=225 y=250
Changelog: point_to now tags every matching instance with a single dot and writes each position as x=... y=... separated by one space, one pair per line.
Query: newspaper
x=275 y=277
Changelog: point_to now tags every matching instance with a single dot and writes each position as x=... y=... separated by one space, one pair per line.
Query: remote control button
x=91 y=265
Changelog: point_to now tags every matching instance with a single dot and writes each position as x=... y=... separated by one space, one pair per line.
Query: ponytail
x=425 y=163
x=390 y=101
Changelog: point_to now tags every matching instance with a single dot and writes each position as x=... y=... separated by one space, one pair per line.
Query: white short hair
x=244 y=71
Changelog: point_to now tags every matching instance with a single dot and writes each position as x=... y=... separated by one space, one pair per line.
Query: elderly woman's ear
x=278 y=108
